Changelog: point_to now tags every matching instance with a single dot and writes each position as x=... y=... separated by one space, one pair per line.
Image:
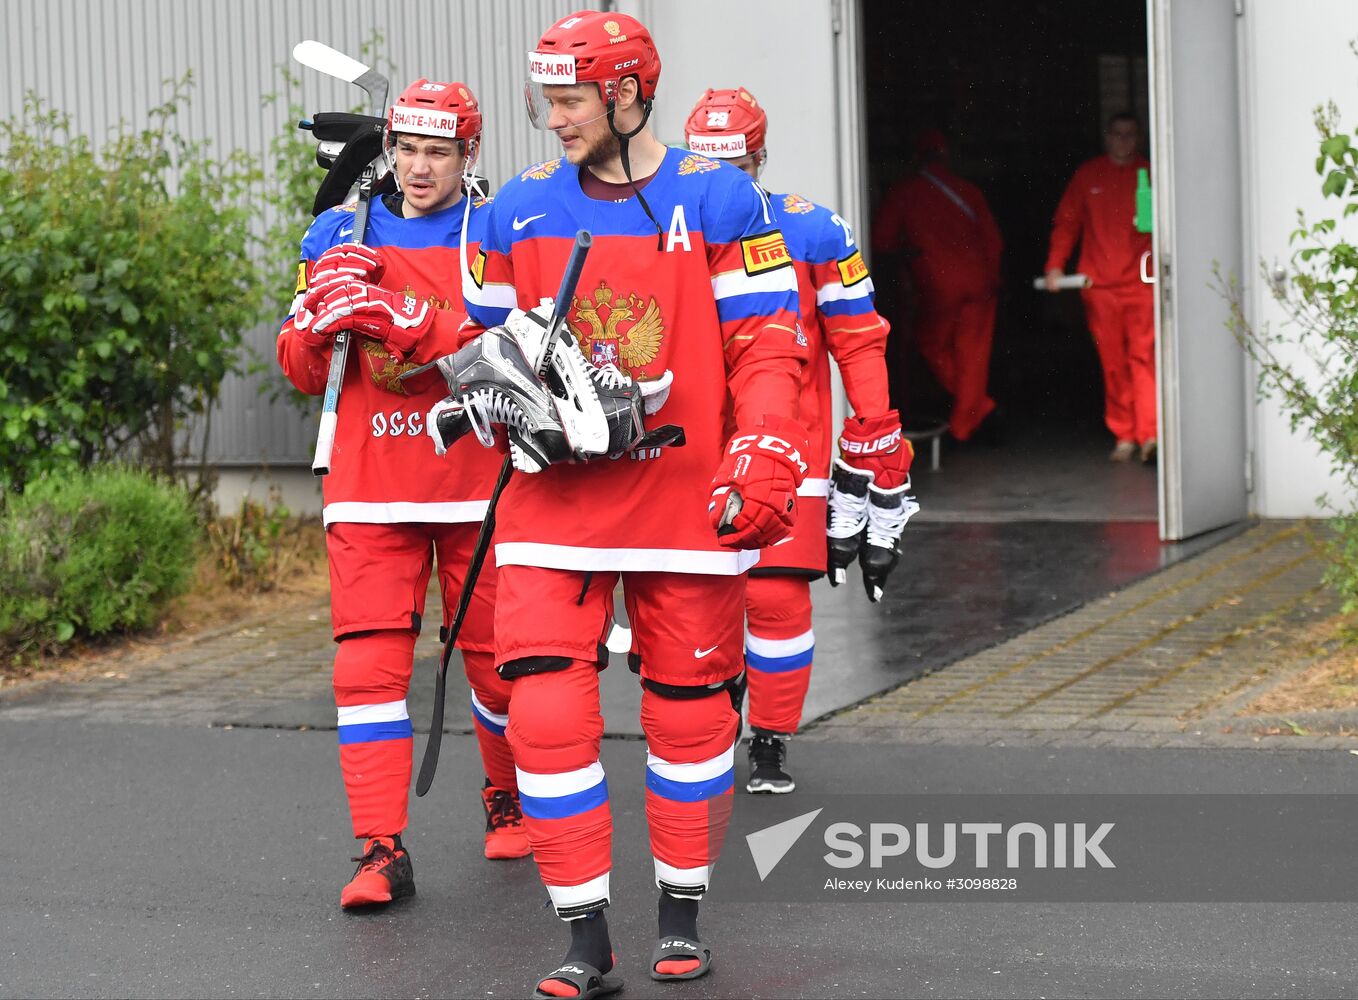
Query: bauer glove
x=754 y=493
x=344 y=263
x=397 y=321
x=869 y=504
x=876 y=445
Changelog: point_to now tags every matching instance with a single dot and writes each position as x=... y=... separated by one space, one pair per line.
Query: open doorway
x=1022 y=93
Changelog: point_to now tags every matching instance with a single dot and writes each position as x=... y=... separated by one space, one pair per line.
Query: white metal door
x=1197 y=179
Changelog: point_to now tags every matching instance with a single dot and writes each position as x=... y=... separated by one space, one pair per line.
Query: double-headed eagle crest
x=623 y=329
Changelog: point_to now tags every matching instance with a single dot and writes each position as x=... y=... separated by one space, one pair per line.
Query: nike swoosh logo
x=698 y=654
x=520 y=223
x=346 y=232
x=781 y=541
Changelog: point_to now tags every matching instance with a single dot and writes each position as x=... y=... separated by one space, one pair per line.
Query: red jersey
x=835 y=295
x=383 y=468
x=714 y=302
x=1099 y=209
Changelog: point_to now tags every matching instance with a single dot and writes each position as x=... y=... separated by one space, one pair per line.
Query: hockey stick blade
x=332 y=62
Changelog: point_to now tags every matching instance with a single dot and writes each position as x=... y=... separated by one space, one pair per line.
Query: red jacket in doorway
x=1098 y=209
x=953 y=244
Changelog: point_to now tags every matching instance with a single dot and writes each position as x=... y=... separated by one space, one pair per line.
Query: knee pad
x=373 y=667
x=695 y=727
x=554 y=720
x=778 y=607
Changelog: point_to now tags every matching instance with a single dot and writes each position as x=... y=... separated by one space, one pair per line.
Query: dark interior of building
x=1022 y=92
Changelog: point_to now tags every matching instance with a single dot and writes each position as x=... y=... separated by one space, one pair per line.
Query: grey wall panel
x=105 y=61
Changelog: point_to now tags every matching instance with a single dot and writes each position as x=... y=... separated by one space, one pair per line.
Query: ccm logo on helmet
x=884 y=445
x=549 y=67
x=626 y=65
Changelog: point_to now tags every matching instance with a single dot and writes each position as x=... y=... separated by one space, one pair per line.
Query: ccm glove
x=876 y=445
x=344 y=263
x=754 y=493
x=398 y=321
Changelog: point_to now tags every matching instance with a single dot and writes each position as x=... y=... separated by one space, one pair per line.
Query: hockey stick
x=332 y=62
x=430 y=763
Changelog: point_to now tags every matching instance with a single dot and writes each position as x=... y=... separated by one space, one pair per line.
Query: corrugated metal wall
x=104 y=61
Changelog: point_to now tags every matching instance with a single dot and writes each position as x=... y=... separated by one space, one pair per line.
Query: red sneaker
x=384 y=874
x=505 y=833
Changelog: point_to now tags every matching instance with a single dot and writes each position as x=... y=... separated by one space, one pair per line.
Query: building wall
x=1294 y=57
x=104 y=62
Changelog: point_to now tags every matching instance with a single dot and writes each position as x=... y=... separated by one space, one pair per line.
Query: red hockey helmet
x=443 y=109
x=592 y=46
x=726 y=124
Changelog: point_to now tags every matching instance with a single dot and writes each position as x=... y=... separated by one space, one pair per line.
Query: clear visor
x=542 y=115
x=470 y=148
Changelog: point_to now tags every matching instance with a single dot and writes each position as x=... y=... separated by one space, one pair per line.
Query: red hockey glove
x=398 y=321
x=344 y=263
x=754 y=493
x=876 y=445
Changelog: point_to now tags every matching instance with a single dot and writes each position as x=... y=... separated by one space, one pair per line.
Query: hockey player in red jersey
x=688 y=276
x=390 y=507
x=871 y=476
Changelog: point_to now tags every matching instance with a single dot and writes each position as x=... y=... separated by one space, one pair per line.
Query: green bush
x=87 y=554
x=126 y=282
x=1321 y=302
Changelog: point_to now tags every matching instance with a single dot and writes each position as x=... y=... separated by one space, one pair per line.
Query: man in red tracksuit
x=1098 y=209
x=945 y=225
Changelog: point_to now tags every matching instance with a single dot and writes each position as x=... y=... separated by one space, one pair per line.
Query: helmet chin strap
x=474 y=187
x=623 y=139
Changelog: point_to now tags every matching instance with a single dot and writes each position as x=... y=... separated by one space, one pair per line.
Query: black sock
x=590 y=942
x=678 y=916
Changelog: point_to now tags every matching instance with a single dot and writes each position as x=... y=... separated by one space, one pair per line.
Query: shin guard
x=690 y=771
x=554 y=732
x=490 y=715
x=371 y=678
x=779 y=647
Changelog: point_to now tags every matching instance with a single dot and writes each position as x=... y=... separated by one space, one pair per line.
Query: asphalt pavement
x=167 y=861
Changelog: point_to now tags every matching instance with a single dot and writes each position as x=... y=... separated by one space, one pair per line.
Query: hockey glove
x=754 y=493
x=876 y=445
x=397 y=321
x=344 y=263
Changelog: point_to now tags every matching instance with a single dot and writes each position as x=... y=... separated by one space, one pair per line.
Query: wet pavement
x=180 y=830
x=960 y=589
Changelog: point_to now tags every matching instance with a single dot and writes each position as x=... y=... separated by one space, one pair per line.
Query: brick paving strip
x=1165 y=662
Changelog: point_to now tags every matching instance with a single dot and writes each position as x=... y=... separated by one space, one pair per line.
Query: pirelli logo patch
x=301 y=278
x=479 y=269
x=765 y=253
x=852 y=270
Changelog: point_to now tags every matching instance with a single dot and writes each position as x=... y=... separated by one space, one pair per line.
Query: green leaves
x=90 y=553
x=128 y=275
